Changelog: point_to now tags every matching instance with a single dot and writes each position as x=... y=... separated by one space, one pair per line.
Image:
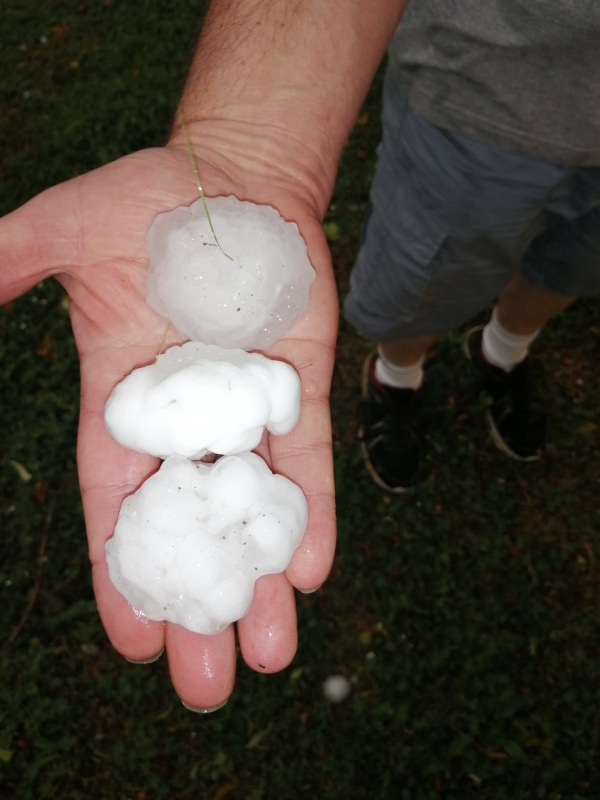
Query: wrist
x=279 y=84
x=260 y=158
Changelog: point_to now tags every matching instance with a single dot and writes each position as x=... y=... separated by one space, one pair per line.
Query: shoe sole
x=494 y=432
x=365 y=452
x=501 y=444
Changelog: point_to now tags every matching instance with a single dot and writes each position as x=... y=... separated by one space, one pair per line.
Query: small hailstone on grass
x=191 y=542
x=248 y=301
x=201 y=398
x=336 y=688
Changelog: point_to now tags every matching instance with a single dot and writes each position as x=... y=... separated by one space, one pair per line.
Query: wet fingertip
x=146 y=660
x=204 y=710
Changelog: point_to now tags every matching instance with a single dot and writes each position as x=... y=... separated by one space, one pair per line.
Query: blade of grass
x=36 y=587
x=197 y=174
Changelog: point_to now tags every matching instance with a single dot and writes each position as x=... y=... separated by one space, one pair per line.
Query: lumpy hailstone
x=248 y=302
x=191 y=542
x=201 y=398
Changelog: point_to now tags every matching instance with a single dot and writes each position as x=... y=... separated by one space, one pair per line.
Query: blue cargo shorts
x=452 y=219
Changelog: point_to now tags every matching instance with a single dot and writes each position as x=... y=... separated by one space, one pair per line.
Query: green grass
x=467 y=613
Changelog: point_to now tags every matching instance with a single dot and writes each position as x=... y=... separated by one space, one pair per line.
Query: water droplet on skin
x=309 y=387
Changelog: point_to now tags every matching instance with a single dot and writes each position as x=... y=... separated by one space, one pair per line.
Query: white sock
x=410 y=377
x=501 y=347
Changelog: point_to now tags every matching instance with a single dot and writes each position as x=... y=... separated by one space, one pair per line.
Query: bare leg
x=524 y=308
x=406 y=352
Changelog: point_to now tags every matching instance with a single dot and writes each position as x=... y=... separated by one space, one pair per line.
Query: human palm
x=90 y=234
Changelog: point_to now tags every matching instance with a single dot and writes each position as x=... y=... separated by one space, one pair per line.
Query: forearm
x=285 y=80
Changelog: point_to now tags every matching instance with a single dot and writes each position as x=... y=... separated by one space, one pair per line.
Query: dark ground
x=466 y=613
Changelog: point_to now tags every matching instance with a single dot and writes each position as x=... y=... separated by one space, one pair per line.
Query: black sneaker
x=388 y=432
x=517 y=421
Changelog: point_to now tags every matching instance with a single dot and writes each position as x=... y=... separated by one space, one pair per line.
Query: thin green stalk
x=197 y=174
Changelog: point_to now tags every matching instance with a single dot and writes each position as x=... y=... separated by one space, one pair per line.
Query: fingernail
x=309 y=591
x=204 y=710
x=146 y=660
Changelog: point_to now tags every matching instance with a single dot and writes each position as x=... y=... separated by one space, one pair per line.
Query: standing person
x=488 y=185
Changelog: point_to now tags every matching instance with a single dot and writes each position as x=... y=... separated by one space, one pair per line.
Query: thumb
x=38 y=240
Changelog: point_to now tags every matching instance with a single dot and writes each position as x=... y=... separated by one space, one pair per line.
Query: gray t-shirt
x=520 y=74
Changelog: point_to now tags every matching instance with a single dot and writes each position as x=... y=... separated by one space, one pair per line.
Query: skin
x=522 y=309
x=272 y=94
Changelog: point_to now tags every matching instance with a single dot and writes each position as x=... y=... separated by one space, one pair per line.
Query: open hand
x=89 y=233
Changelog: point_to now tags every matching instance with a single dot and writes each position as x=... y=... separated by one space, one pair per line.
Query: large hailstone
x=191 y=542
x=200 y=398
x=248 y=302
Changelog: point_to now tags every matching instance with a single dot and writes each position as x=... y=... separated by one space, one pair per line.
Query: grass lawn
x=466 y=613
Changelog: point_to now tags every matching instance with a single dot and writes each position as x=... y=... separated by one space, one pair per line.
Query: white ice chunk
x=248 y=302
x=201 y=398
x=191 y=542
x=336 y=688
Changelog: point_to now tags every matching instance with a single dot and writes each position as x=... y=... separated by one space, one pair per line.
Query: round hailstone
x=191 y=542
x=247 y=302
x=201 y=398
x=336 y=688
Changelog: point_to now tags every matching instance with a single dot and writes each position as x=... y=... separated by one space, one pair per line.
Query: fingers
x=107 y=474
x=131 y=634
x=308 y=462
x=305 y=457
x=202 y=668
x=74 y=226
x=36 y=239
x=313 y=559
x=267 y=634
